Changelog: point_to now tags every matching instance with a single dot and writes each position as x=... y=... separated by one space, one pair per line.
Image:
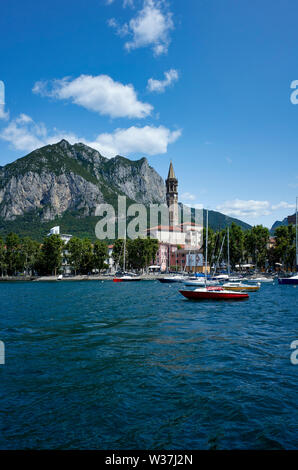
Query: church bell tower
x=172 y=196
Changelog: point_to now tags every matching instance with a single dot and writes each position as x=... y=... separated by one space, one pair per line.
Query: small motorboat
x=169 y=279
x=127 y=278
x=293 y=280
x=260 y=279
x=213 y=293
x=221 y=277
x=240 y=287
x=201 y=282
x=60 y=277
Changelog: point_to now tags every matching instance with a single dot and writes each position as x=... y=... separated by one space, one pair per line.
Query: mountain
x=218 y=221
x=278 y=223
x=61 y=184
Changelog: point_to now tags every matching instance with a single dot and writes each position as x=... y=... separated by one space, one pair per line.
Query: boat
x=169 y=279
x=200 y=282
x=292 y=280
x=211 y=292
x=240 y=287
x=260 y=279
x=221 y=277
x=126 y=278
x=60 y=277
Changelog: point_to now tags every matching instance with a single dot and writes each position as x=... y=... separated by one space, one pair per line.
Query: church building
x=179 y=243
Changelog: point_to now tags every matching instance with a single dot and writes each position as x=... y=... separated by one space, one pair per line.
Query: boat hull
x=119 y=279
x=213 y=295
x=242 y=288
x=288 y=280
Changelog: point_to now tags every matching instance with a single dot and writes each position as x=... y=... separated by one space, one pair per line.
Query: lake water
x=99 y=365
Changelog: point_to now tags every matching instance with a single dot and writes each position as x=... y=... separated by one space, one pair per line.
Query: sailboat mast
x=124 y=248
x=206 y=252
x=228 y=252
x=296 y=234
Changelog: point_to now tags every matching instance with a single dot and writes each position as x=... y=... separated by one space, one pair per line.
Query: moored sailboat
x=293 y=280
x=212 y=292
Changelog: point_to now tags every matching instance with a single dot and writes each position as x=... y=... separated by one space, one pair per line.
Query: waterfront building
x=177 y=241
x=65 y=237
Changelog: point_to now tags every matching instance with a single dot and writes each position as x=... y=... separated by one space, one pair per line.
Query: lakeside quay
x=109 y=277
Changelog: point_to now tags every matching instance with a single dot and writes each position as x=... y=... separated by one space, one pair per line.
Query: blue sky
x=204 y=83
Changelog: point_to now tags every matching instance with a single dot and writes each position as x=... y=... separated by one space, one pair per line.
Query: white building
x=66 y=268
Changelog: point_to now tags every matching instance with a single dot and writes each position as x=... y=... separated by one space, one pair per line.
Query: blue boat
x=289 y=280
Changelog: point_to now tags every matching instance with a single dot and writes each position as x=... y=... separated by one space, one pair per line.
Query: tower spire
x=172 y=196
x=171 y=171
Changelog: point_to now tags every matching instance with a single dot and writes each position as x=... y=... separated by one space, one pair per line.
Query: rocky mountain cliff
x=62 y=177
x=61 y=184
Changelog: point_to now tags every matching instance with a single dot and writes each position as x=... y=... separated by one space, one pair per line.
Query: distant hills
x=278 y=223
x=61 y=184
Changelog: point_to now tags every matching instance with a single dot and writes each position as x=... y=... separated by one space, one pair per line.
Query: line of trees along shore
x=254 y=245
x=27 y=256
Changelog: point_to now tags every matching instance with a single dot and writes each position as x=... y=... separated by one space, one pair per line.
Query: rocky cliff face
x=62 y=177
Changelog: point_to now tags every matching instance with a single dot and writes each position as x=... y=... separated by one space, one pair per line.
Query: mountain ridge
x=61 y=184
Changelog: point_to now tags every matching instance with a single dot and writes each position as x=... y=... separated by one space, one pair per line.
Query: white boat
x=174 y=278
x=201 y=282
x=127 y=278
x=221 y=277
x=60 y=277
x=260 y=279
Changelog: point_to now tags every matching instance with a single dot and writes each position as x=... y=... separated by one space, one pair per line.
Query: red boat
x=213 y=293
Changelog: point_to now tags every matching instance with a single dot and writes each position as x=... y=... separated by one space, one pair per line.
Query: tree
x=13 y=258
x=118 y=250
x=87 y=260
x=29 y=252
x=236 y=238
x=74 y=250
x=2 y=257
x=100 y=254
x=152 y=246
x=285 y=245
x=256 y=244
x=51 y=254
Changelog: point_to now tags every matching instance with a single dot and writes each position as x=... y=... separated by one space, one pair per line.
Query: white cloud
x=197 y=206
x=149 y=28
x=3 y=114
x=149 y=140
x=283 y=205
x=26 y=135
x=160 y=85
x=97 y=93
x=187 y=197
x=241 y=208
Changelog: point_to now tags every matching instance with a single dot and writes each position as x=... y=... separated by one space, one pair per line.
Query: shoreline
x=144 y=277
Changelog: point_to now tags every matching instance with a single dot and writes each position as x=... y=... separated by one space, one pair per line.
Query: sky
x=204 y=83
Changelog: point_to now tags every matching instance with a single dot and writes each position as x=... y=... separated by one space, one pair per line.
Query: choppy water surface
x=98 y=365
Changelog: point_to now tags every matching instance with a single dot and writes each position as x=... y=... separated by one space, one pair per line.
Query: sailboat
x=293 y=280
x=212 y=293
x=126 y=277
